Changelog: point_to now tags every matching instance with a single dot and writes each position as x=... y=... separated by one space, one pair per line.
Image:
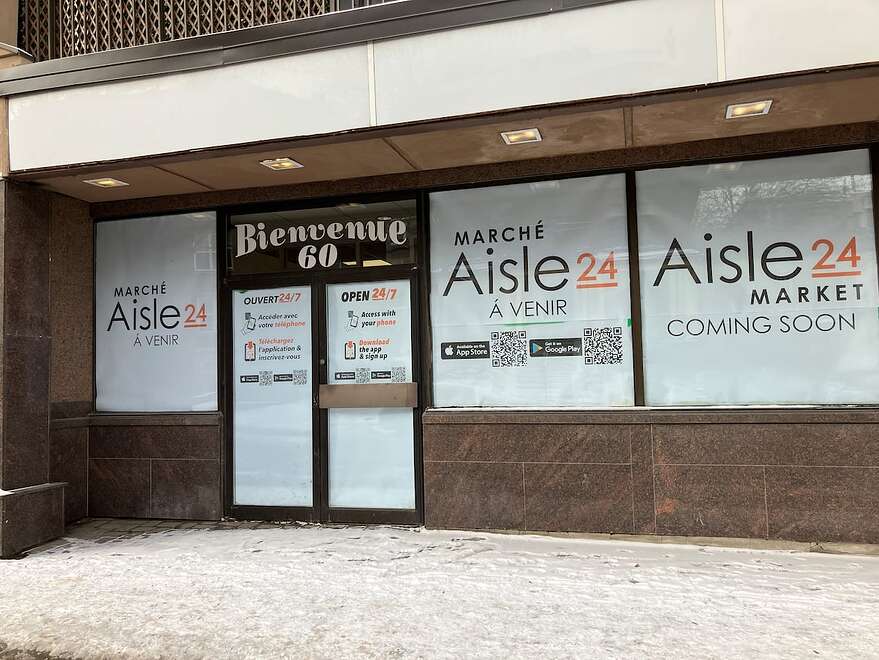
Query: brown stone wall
x=141 y=466
x=31 y=505
x=71 y=295
x=800 y=475
x=133 y=466
x=156 y=466
x=69 y=311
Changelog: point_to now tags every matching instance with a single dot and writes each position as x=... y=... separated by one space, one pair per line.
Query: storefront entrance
x=323 y=396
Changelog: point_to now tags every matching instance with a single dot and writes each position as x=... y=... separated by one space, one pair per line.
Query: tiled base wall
x=30 y=516
x=156 y=466
x=799 y=475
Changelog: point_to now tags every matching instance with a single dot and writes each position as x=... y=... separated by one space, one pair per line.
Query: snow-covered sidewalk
x=367 y=592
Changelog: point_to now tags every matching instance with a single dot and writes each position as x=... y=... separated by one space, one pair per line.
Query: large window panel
x=759 y=283
x=156 y=314
x=529 y=295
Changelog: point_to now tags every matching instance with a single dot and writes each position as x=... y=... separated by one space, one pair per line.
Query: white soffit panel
x=303 y=94
x=794 y=35
x=618 y=48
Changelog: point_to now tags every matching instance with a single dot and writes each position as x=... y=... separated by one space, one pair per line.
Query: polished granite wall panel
x=474 y=495
x=25 y=343
x=30 y=517
x=33 y=512
x=710 y=500
x=578 y=497
x=71 y=291
x=589 y=443
x=185 y=489
x=643 y=482
x=68 y=453
x=152 y=441
x=156 y=466
x=26 y=260
x=538 y=476
x=823 y=503
x=119 y=487
x=768 y=444
x=807 y=475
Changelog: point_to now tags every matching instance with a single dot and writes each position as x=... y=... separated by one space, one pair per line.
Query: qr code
x=398 y=375
x=361 y=376
x=300 y=376
x=509 y=348
x=603 y=345
x=265 y=378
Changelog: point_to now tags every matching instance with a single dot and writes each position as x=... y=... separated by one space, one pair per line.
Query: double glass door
x=323 y=402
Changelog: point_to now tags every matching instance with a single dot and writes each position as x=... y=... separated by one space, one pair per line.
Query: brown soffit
x=740 y=90
x=718 y=149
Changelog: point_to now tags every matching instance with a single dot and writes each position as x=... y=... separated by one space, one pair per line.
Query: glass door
x=273 y=414
x=369 y=396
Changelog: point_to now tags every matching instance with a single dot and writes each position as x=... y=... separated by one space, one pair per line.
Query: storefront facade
x=662 y=319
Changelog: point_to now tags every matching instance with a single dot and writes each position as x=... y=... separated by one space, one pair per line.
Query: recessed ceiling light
x=734 y=166
x=281 y=164
x=751 y=109
x=537 y=186
x=523 y=136
x=106 y=182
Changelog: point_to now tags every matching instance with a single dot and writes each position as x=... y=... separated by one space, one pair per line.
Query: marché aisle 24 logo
x=153 y=323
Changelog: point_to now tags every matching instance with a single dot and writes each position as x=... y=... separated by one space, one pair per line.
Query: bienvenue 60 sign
x=316 y=243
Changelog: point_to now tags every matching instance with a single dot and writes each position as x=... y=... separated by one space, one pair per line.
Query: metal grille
x=49 y=29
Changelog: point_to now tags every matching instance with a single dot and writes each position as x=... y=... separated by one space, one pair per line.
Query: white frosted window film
x=369 y=332
x=372 y=461
x=156 y=314
x=758 y=282
x=369 y=341
x=272 y=393
x=529 y=295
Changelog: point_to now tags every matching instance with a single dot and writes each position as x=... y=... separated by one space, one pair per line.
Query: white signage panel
x=156 y=314
x=272 y=393
x=530 y=295
x=369 y=333
x=758 y=282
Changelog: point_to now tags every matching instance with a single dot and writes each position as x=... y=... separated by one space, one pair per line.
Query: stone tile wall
x=799 y=475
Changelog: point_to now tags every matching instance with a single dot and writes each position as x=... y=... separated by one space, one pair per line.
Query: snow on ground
x=366 y=592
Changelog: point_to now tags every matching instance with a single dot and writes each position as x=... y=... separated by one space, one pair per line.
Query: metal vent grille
x=49 y=29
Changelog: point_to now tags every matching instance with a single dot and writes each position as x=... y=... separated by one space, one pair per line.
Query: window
x=759 y=283
x=344 y=236
x=530 y=295
x=156 y=314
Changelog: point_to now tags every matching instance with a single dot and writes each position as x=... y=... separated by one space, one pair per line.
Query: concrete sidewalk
x=153 y=589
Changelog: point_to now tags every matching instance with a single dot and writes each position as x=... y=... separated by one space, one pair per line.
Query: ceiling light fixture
x=750 y=109
x=725 y=168
x=281 y=164
x=106 y=182
x=522 y=136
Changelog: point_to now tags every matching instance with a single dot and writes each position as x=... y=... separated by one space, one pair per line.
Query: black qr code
x=265 y=378
x=361 y=376
x=603 y=345
x=398 y=375
x=300 y=377
x=509 y=348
